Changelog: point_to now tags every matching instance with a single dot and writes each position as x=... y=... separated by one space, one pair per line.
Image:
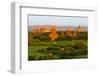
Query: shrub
x=42 y=50
x=79 y=45
x=42 y=58
x=32 y=58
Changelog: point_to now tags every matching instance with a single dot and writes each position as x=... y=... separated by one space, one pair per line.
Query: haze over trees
x=50 y=43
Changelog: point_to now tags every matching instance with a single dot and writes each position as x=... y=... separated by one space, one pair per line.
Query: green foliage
x=37 y=37
x=82 y=35
x=77 y=50
x=40 y=47
x=79 y=45
x=31 y=57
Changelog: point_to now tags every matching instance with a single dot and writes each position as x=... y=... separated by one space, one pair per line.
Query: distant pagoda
x=80 y=29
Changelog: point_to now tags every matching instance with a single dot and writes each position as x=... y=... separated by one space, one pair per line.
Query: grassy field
x=57 y=50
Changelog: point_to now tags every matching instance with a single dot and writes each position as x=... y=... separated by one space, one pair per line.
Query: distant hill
x=59 y=28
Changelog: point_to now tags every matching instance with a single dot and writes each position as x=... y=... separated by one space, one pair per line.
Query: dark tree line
x=35 y=37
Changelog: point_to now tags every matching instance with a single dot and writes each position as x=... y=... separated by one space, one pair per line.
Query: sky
x=57 y=20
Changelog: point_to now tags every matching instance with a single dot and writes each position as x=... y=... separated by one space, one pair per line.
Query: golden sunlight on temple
x=40 y=30
x=80 y=29
x=52 y=30
x=53 y=35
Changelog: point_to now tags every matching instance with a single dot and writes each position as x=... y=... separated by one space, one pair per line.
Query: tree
x=30 y=40
x=53 y=34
